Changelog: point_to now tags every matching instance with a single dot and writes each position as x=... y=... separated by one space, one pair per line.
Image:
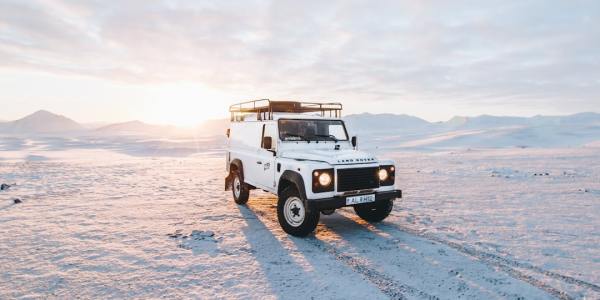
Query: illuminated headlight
x=322 y=180
x=383 y=174
x=387 y=175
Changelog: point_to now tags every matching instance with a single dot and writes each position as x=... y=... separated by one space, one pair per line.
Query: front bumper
x=340 y=201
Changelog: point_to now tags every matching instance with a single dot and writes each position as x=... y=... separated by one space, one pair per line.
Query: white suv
x=301 y=152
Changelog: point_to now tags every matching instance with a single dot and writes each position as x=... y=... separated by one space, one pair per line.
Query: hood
x=333 y=157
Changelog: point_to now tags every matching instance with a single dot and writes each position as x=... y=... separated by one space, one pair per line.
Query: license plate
x=360 y=199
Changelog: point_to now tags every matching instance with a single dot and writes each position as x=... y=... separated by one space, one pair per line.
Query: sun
x=185 y=104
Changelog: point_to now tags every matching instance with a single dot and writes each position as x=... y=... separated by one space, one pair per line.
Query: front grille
x=357 y=179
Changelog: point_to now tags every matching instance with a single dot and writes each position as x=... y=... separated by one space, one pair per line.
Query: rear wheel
x=293 y=216
x=328 y=212
x=241 y=192
x=374 y=212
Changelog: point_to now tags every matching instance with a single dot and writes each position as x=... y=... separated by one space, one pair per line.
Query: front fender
x=295 y=178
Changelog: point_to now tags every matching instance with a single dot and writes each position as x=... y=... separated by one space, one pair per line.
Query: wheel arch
x=237 y=165
x=234 y=165
x=291 y=178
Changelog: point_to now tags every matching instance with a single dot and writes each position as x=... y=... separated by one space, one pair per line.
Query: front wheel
x=292 y=214
x=374 y=212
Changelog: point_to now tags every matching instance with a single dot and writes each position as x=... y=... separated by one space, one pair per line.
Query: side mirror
x=267 y=143
x=228 y=132
x=353 y=141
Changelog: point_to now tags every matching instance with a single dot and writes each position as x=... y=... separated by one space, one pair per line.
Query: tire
x=293 y=216
x=374 y=212
x=239 y=189
x=328 y=212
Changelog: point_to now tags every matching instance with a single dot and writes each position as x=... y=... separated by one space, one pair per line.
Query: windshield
x=312 y=130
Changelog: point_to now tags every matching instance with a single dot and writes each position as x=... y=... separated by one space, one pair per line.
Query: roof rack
x=264 y=109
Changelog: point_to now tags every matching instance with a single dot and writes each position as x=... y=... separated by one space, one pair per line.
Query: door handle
x=259 y=162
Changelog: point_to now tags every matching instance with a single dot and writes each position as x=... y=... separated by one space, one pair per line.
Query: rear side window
x=246 y=135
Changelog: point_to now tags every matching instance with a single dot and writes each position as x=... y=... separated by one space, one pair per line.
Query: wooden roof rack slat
x=264 y=109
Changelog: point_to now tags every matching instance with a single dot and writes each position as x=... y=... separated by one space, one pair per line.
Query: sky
x=182 y=62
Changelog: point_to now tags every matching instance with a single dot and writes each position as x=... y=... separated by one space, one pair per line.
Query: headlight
x=383 y=174
x=325 y=179
x=387 y=175
x=322 y=180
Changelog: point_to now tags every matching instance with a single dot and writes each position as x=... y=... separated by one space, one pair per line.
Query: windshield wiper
x=331 y=136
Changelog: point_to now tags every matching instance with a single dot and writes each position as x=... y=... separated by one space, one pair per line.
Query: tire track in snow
x=507 y=265
x=392 y=288
x=386 y=284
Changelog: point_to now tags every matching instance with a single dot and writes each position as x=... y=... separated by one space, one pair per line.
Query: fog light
x=325 y=179
x=383 y=174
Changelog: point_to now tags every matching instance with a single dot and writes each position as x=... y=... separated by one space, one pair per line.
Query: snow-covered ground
x=484 y=224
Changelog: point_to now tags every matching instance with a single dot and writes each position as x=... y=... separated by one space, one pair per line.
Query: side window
x=245 y=135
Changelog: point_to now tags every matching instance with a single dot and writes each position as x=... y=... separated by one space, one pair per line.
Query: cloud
x=464 y=52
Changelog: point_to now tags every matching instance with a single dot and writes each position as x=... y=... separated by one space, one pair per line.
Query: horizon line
x=107 y=123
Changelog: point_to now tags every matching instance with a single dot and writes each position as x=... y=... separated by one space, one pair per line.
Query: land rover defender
x=302 y=153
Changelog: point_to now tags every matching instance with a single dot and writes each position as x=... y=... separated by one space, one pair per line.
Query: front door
x=266 y=157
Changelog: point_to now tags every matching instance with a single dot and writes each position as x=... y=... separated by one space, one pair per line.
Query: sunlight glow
x=88 y=99
x=185 y=104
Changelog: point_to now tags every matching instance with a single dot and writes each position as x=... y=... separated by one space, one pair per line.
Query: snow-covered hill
x=398 y=131
x=487 y=121
x=373 y=123
x=41 y=122
x=384 y=131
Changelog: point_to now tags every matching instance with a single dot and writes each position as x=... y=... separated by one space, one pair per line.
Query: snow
x=135 y=128
x=493 y=207
x=108 y=218
x=536 y=208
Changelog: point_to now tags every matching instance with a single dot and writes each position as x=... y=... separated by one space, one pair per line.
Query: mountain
x=493 y=131
x=588 y=118
x=42 y=122
x=367 y=122
x=384 y=131
x=137 y=128
x=487 y=121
